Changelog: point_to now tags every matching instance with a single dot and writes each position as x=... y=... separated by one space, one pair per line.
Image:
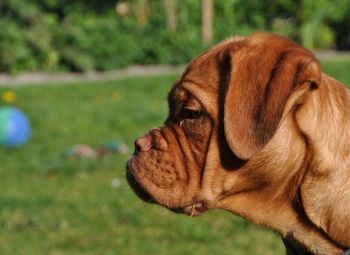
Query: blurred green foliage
x=79 y=35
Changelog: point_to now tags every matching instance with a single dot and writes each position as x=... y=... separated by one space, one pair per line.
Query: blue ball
x=15 y=128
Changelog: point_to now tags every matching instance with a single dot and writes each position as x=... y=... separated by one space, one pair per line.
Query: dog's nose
x=143 y=144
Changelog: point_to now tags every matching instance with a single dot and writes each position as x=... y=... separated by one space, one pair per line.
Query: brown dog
x=255 y=128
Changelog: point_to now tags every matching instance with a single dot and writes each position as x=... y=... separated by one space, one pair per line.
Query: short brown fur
x=255 y=128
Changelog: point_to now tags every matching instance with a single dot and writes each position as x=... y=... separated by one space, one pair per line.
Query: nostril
x=142 y=144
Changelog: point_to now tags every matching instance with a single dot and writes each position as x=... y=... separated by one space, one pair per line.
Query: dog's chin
x=137 y=188
x=195 y=208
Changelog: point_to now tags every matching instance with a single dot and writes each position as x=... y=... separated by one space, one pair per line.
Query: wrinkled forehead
x=203 y=76
x=194 y=90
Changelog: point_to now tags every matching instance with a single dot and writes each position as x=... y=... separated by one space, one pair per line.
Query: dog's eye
x=191 y=114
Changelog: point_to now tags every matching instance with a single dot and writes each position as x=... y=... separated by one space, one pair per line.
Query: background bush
x=79 y=35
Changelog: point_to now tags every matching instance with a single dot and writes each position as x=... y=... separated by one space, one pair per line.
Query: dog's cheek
x=164 y=174
x=198 y=130
x=199 y=137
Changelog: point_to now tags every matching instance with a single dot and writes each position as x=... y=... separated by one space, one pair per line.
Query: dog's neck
x=324 y=120
x=324 y=156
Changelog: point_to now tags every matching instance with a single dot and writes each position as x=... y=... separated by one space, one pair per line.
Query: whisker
x=193 y=209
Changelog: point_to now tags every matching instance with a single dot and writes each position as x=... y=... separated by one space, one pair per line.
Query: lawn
x=50 y=204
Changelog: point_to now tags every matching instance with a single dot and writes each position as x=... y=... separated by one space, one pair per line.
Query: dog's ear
x=265 y=71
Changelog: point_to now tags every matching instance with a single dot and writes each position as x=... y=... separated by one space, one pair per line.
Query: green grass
x=52 y=205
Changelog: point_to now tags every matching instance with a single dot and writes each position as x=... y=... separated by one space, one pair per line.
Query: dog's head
x=224 y=131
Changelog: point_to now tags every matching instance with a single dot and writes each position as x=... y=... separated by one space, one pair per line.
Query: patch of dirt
x=47 y=78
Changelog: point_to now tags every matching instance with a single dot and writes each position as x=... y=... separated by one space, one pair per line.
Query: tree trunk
x=143 y=12
x=170 y=12
x=207 y=21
